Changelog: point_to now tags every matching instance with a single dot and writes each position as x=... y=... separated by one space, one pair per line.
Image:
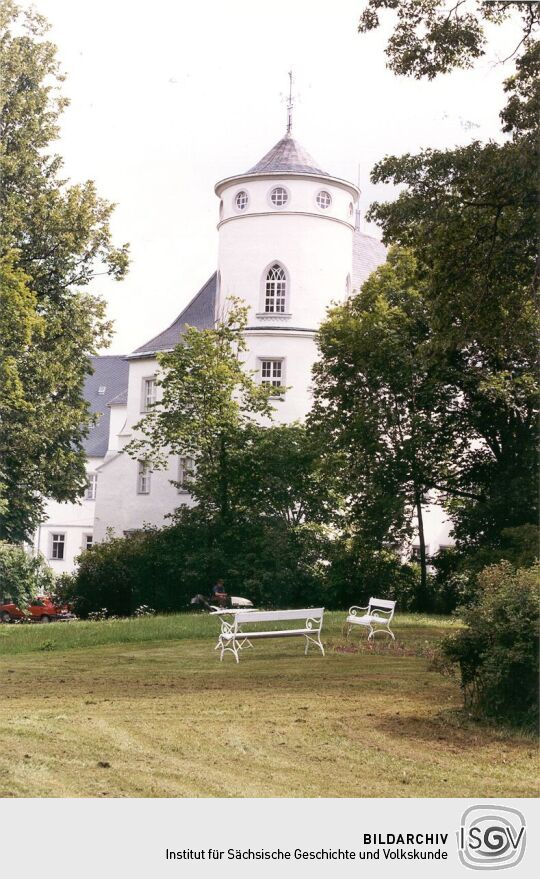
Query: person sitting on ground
x=219 y=594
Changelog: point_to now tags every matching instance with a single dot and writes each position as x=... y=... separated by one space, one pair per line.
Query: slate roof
x=199 y=313
x=368 y=254
x=287 y=156
x=111 y=376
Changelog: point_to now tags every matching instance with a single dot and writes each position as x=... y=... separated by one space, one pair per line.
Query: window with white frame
x=324 y=199
x=88 y=541
x=272 y=373
x=91 y=487
x=186 y=469
x=241 y=200
x=148 y=393
x=279 y=196
x=143 y=478
x=58 y=545
x=275 y=290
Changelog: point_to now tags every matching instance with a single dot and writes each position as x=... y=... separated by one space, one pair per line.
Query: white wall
x=121 y=508
x=315 y=249
x=73 y=520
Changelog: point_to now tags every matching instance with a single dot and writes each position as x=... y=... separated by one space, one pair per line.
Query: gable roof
x=288 y=156
x=110 y=376
x=368 y=254
x=199 y=313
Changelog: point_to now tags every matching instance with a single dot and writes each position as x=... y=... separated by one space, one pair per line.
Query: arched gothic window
x=275 y=293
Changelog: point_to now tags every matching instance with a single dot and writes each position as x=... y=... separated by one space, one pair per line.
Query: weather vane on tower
x=290 y=104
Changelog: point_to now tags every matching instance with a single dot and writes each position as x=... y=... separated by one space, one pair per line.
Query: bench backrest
x=272 y=616
x=382 y=604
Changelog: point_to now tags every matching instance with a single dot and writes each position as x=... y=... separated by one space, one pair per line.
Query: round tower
x=285 y=247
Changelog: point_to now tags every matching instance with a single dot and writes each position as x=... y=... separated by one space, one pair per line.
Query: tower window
x=275 y=290
x=279 y=196
x=272 y=373
x=241 y=200
x=324 y=199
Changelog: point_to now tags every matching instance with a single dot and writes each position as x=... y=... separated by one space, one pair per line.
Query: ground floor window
x=58 y=546
x=88 y=540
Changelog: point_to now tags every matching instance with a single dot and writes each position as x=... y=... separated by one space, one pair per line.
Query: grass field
x=144 y=708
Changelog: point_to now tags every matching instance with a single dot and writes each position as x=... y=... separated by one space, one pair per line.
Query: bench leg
x=233 y=649
x=316 y=641
x=386 y=630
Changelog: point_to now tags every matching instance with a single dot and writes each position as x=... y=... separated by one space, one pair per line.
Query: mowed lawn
x=144 y=708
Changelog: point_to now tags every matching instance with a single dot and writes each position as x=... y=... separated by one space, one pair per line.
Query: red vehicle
x=42 y=610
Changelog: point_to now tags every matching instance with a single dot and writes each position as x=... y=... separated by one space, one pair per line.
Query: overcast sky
x=167 y=98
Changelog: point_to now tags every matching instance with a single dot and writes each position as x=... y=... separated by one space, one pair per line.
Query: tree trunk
x=422 y=598
x=223 y=480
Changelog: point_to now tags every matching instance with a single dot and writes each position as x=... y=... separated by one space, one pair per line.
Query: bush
x=261 y=559
x=357 y=573
x=497 y=652
x=22 y=576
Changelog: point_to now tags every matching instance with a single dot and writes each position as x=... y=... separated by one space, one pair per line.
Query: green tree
x=207 y=400
x=431 y=37
x=280 y=472
x=470 y=216
x=22 y=577
x=54 y=238
x=382 y=403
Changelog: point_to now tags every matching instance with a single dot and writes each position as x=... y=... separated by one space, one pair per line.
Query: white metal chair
x=377 y=617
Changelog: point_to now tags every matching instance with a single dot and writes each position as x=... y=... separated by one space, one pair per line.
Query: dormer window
x=275 y=293
x=101 y=390
x=241 y=200
x=279 y=196
x=324 y=199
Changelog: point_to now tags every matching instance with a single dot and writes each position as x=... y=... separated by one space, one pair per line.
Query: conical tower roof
x=287 y=156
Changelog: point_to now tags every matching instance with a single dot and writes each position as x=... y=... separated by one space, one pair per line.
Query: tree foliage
x=54 y=238
x=497 y=651
x=382 y=404
x=470 y=215
x=207 y=399
x=431 y=37
x=22 y=577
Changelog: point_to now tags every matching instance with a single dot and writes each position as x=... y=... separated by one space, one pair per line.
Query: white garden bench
x=377 y=617
x=237 y=631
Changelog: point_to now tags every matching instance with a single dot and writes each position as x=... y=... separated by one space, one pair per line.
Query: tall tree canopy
x=470 y=217
x=206 y=400
x=432 y=37
x=382 y=401
x=54 y=238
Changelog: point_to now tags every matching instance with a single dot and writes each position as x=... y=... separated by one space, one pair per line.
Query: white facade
x=311 y=243
x=68 y=529
x=289 y=245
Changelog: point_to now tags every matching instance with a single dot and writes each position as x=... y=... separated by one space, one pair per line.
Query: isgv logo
x=491 y=837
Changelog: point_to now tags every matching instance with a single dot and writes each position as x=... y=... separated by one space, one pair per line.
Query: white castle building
x=289 y=245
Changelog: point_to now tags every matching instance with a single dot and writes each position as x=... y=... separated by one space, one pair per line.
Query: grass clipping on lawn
x=144 y=708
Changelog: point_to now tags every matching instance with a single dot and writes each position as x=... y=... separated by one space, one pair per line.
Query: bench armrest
x=355 y=607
